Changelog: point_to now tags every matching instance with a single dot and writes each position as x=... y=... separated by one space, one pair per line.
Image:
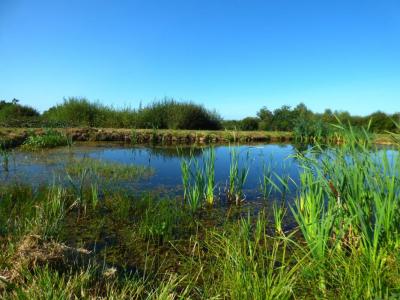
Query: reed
x=185 y=171
x=209 y=173
x=349 y=202
x=279 y=212
x=198 y=179
x=266 y=182
x=237 y=177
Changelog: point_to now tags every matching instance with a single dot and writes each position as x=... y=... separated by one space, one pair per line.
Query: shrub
x=249 y=124
x=77 y=112
x=165 y=114
x=50 y=139
x=13 y=114
x=169 y=114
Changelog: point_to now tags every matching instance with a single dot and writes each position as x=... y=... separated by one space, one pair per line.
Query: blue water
x=46 y=166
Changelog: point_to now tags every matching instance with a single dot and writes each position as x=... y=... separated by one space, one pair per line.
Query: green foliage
x=165 y=114
x=247 y=264
x=249 y=124
x=75 y=112
x=160 y=219
x=171 y=114
x=237 y=177
x=346 y=243
x=209 y=173
x=107 y=170
x=13 y=114
x=199 y=180
x=49 y=139
x=309 y=125
x=5 y=157
x=349 y=204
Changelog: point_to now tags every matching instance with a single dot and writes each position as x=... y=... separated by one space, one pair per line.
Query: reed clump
x=198 y=179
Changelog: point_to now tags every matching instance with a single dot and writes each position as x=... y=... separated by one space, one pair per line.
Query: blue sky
x=232 y=56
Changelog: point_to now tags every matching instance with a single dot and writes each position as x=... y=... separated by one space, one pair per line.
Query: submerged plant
x=107 y=170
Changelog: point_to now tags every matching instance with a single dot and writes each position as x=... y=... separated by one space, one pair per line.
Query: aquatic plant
x=185 y=171
x=209 y=173
x=194 y=197
x=279 y=212
x=107 y=170
x=78 y=185
x=237 y=177
x=159 y=220
x=266 y=182
x=349 y=202
x=198 y=179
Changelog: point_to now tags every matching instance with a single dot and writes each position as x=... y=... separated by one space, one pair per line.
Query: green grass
x=345 y=244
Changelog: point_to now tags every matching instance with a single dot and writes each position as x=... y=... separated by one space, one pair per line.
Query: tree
x=249 y=124
x=266 y=117
x=282 y=119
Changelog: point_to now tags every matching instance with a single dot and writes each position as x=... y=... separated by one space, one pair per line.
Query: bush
x=166 y=114
x=49 y=139
x=13 y=114
x=249 y=124
x=169 y=114
x=77 y=112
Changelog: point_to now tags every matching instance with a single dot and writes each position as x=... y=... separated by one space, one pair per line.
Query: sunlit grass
x=344 y=244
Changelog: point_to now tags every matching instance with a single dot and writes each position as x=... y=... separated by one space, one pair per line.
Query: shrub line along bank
x=14 y=137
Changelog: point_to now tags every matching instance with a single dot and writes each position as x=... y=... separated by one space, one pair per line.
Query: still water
x=47 y=166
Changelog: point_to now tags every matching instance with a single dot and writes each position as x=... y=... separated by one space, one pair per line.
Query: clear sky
x=232 y=56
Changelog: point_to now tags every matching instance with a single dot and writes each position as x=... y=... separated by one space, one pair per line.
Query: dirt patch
x=32 y=251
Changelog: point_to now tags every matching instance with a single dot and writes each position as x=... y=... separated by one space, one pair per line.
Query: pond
x=44 y=167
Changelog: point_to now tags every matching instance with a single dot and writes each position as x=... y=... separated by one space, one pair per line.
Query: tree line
x=171 y=114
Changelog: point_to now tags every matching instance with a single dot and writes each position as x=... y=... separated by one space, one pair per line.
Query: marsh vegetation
x=328 y=229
